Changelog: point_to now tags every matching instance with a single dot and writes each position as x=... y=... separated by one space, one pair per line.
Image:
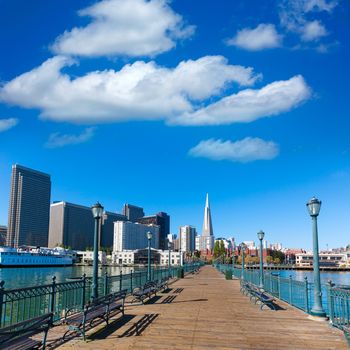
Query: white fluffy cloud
x=297 y=17
x=247 y=150
x=6 y=124
x=313 y=31
x=137 y=91
x=264 y=36
x=124 y=27
x=60 y=140
x=249 y=105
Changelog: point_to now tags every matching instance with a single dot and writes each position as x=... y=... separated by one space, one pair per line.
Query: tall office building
x=206 y=241
x=3 y=234
x=132 y=212
x=73 y=225
x=163 y=221
x=130 y=236
x=29 y=209
x=187 y=236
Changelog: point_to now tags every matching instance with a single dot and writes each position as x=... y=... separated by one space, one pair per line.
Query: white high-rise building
x=130 y=236
x=187 y=237
x=206 y=241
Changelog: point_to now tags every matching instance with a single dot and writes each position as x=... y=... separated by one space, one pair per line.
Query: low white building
x=87 y=257
x=127 y=257
x=326 y=260
x=174 y=257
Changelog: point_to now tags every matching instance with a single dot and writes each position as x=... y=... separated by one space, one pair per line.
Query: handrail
x=22 y=304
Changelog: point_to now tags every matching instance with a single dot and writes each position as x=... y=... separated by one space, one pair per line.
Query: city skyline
x=162 y=120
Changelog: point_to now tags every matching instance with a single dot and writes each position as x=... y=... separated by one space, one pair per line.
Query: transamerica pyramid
x=207 y=224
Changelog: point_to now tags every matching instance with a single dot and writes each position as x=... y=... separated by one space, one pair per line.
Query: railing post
x=53 y=294
x=290 y=290
x=83 y=292
x=306 y=295
x=131 y=281
x=270 y=282
x=2 y=290
x=120 y=280
x=329 y=286
x=105 y=285
x=279 y=286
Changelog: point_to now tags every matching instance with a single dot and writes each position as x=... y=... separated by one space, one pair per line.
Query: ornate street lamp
x=97 y=212
x=243 y=247
x=261 y=235
x=149 y=237
x=314 y=206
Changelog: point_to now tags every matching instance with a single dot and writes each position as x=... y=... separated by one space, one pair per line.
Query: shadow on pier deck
x=205 y=311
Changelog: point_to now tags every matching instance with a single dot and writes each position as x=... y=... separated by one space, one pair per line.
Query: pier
x=205 y=311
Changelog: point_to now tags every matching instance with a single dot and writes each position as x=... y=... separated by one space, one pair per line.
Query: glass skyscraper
x=29 y=209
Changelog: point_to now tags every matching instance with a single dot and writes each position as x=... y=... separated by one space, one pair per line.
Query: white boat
x=12 y=257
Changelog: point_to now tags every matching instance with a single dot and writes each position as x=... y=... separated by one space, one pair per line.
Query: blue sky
x=155 y=103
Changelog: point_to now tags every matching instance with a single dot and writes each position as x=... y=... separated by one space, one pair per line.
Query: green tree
x=269 y=259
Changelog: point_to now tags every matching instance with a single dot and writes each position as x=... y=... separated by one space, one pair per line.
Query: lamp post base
x=318 y=313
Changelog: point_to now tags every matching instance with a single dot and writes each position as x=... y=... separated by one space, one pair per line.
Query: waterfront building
x=187 y=235
x=72 y=225
x=29 y=208
x=132 y=212
x=163 y=221
x=130 y=236
x=325 y=260
x=3 y=234
x=138 y=256
x=87 y=257
x=206 y=241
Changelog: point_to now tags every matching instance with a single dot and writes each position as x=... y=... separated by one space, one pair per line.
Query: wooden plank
x=206 y=311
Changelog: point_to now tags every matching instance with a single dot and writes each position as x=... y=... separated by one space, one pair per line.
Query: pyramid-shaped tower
x=207 y=223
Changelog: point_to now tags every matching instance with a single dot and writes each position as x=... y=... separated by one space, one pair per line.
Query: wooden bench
x=140 y=294
x=101 y=308
x=163 y=284
x=18 y=336
x=264 y=299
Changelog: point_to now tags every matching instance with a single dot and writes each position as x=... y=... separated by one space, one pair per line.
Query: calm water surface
x=31 y=276
x=15 y=277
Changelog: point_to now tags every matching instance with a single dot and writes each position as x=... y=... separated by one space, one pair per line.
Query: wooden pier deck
x=205 y=311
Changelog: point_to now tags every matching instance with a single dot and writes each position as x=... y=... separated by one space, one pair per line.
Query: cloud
x=124 y=27
x=296 y=17
x=6 y=124
x=264 y=36
x=249 y=105
x=60 y=140
x=247 y=150
x=313 y=31
x=138 y=91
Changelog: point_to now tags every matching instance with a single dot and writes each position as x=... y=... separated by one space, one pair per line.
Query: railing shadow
x=178 y=290
x=139 y=327
x=169 y=299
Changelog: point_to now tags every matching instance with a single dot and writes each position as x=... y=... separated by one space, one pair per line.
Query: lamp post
x=169 y=262
x=149 y=237
x=314 y=206
x=97 y=212
x=261 y=235
x=243 y=246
